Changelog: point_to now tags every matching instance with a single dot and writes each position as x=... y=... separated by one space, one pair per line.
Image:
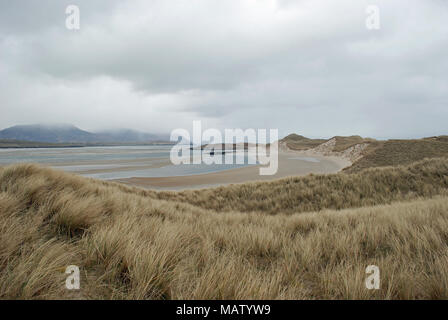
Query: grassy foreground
x=317 y=192
x=131 y=243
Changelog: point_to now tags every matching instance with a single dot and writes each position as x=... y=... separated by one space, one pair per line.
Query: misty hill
x=128 y=135
x=47 y=133
x=66 y=133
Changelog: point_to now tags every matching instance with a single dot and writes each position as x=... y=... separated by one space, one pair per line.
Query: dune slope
x=129 y=243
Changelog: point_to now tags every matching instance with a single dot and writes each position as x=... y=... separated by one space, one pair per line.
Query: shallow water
x=67 y=155
x=112 y=162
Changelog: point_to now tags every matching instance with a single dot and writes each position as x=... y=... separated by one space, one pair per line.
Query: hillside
x=5 y=143
x=47 y=133
x=400 y=152
x=317 y=192
x=298 y=142
x=343 y=143
x=130 y=243
x=65 y=133
x=369 y=153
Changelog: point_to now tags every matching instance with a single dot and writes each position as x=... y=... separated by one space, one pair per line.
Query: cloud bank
x=305 y=66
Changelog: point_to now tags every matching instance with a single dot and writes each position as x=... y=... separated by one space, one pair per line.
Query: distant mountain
x=128 y=135
x=66 y=133
x=47 y=133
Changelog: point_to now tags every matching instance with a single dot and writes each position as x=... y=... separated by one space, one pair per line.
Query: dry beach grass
x=314 y=242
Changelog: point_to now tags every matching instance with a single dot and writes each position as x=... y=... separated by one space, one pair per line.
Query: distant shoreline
x=15 y=144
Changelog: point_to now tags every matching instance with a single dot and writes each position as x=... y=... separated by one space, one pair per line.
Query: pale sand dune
x=291 y=163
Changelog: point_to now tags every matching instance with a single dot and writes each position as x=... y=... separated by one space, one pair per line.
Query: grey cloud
x=305 y=66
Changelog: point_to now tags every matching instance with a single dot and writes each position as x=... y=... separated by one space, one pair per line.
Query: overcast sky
x=305 y=66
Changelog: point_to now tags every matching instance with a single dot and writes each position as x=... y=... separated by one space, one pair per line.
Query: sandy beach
x=150 y=166
x=291 y=163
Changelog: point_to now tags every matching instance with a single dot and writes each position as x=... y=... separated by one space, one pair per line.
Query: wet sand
x=150 y=167
x=290 y=164
x=114 y=167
